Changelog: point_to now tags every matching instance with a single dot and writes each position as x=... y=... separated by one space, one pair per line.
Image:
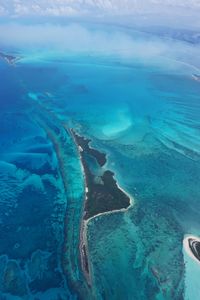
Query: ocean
x=145 y=117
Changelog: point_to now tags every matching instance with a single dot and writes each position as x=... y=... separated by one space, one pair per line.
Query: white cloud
x=51 y=40
x=3 y=11
x=80 y=7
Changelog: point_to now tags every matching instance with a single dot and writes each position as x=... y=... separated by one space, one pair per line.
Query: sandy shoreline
x=83 y=231
x=85 y=223
x=115 y=210
x=187 y=247
x=83 y=246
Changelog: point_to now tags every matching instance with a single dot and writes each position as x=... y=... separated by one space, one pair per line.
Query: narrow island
x=10 y=59
x=102 y=193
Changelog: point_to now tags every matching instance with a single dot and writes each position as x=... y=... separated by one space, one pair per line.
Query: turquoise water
x=146 y=118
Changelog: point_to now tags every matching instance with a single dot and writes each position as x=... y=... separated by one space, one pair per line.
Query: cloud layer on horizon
x=90 y=7
x=44 y=41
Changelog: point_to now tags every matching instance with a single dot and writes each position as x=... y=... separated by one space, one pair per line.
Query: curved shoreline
x=85 y=224
x=186 y=245
x=115 y=210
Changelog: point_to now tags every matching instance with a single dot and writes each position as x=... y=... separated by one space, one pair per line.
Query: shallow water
x=146 y=118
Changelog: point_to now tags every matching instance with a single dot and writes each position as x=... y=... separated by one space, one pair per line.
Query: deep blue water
x=147 y=119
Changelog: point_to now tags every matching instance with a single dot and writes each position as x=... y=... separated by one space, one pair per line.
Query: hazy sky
x=69 y=36
x=89 y=7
